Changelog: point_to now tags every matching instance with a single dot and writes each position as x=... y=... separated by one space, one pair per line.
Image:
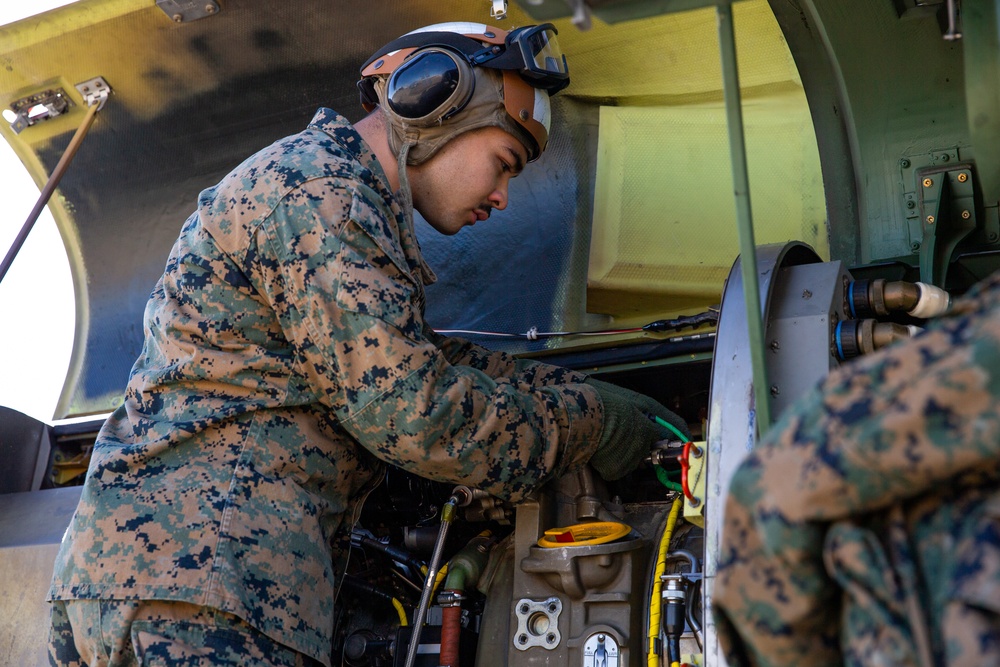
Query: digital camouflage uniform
x=865 y=528
x=285 y=354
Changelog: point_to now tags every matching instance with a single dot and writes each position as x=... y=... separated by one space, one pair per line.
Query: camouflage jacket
x=865 y=528
x=286 y=353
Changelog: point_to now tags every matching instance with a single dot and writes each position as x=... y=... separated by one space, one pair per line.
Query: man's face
x=467 y=179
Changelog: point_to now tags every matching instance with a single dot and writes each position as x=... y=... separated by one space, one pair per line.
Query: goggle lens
x=425 y=84
x=541 y=52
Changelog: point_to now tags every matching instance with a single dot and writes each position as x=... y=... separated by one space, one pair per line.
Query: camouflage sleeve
x=347 y=300
x=882 y=430
x=499 y=364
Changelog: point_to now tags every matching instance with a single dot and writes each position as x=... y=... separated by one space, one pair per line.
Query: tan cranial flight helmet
x=437 y=82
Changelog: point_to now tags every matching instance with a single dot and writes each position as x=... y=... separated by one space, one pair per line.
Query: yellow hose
x=403 y=622
x=442 y=573
x=655 y=601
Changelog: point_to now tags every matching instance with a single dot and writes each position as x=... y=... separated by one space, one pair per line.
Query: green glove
x=627 y=437
x=644 y=403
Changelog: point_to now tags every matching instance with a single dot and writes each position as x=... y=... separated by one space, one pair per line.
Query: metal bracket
x=94 y=91
x=185 y=11
x=32 y=109
x=947 y=205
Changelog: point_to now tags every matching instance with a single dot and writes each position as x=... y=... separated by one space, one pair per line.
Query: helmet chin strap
x=404 y=194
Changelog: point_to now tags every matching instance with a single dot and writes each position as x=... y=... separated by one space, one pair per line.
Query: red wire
x=683 y=459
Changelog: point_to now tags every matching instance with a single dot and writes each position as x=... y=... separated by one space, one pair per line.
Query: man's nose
x=498 y=199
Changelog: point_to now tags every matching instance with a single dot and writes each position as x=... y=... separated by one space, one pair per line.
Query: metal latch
x=27 y=111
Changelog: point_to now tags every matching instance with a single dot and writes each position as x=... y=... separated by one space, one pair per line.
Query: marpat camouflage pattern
x=865 y=528
x=285 y=355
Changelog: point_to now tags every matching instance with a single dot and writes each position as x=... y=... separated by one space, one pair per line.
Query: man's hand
x=628 y=432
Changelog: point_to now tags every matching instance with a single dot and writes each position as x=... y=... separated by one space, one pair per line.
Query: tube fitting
x=853 y=338
x=866 y=298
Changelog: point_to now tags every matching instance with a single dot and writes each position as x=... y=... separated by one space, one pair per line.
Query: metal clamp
x=450 y=599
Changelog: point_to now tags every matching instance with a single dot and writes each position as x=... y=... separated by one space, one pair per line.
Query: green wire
x=661 y=475
x=673 y=428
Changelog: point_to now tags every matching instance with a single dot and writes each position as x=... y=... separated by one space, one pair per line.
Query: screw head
x=775 y=390
x=209 y=8
x=963 y=177
x=915 y=246
x=928 y=182
x=177 y=18
x=966 y=215
x=944 y=157
x=904 y=163
x=930 y=220
x=910 y=203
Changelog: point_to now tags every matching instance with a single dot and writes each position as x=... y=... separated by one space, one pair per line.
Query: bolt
x=930 y=220
x=962 y=178
x=552 y=607
x=694 y=503
x=209 y=9
x=928 y=182
x=910 y=203
x=775 y=390
x=177 y=18
x=524 y=609
x=523 y=639
x=944 y=157
x=966 y=215
x=86 y=89
x=775 y=346
x=904 y=163
x=550 y=638
x=806 y=294
x=915 y=246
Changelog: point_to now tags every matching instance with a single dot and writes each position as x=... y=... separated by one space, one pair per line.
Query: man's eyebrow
x=518 y=162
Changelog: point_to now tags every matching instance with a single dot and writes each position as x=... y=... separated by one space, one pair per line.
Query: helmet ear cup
x=430 y=86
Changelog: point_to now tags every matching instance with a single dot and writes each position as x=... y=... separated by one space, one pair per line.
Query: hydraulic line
x=464 y=570
x=50 y=187
x=661 y=564
x=447 y=516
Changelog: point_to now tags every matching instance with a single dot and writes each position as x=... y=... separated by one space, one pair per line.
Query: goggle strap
x=461 y=43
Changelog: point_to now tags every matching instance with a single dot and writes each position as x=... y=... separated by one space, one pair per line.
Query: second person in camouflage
x=865 y=528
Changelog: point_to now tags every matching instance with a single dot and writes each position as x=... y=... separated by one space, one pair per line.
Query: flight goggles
x=531 y=51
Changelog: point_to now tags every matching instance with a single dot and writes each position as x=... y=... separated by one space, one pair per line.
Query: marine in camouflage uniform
x=286 y=357
x=865 y=528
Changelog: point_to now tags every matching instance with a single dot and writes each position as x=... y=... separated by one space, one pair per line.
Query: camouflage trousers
x=122 y=633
